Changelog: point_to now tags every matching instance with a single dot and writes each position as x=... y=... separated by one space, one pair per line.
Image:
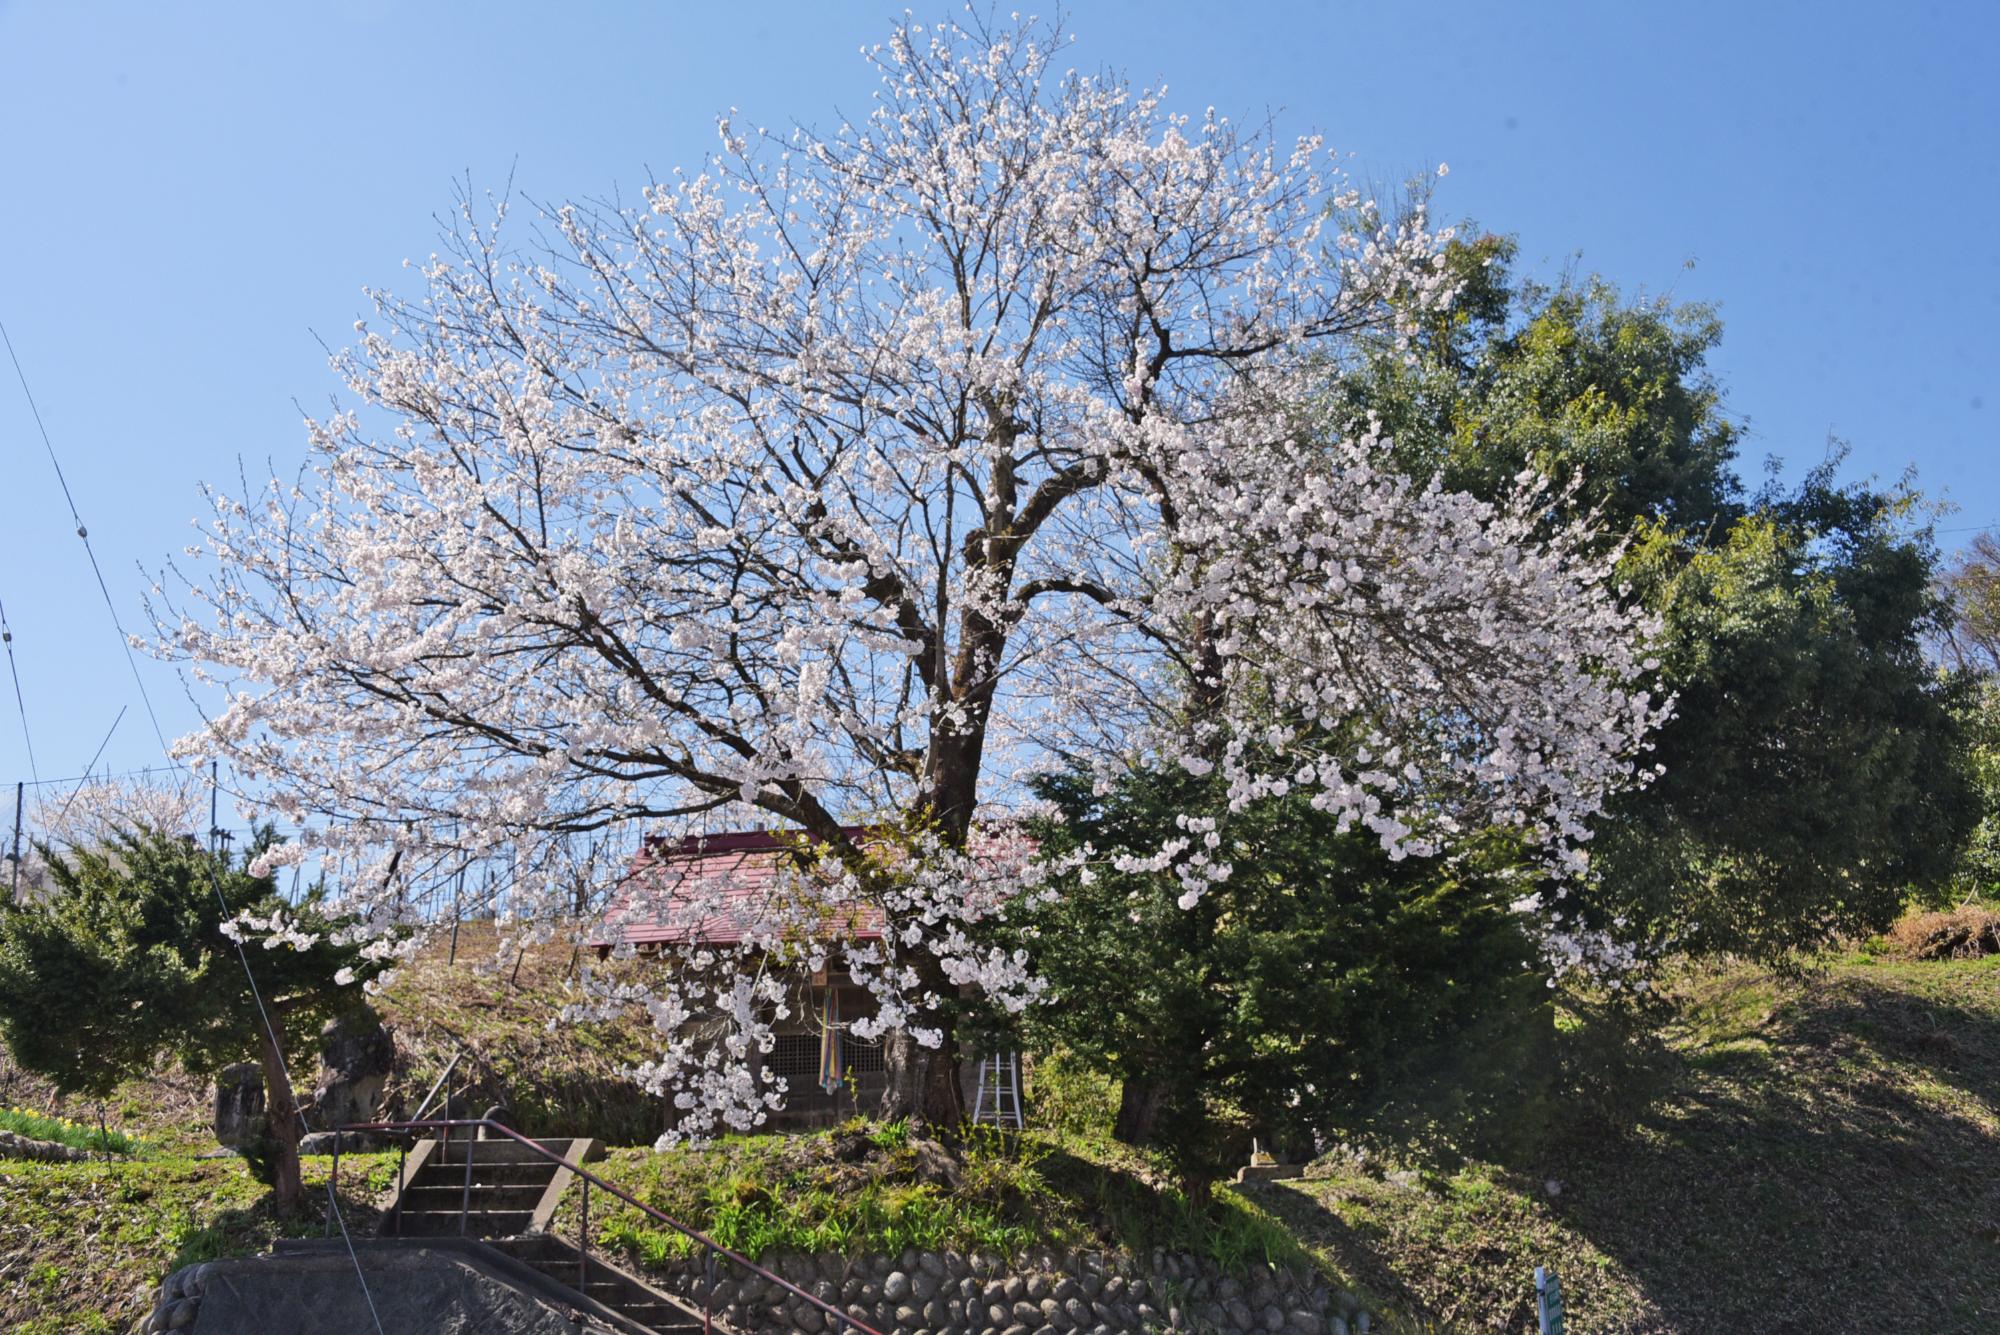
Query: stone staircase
x=603 y=1284
x=508 y=1205
x=510 y=1188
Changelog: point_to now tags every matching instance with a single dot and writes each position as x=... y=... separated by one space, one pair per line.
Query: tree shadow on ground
x=1828 y=1169
x=1139 y=1210
x=248 y=1229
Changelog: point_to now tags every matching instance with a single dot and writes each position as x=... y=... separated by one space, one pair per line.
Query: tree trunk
x=281 y=1120
x=923 y=1083
x=1139 y=1103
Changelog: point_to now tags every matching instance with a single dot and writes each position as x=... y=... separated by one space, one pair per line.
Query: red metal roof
x=707 y=888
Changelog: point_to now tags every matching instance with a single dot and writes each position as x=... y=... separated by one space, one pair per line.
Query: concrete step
x=605 y=1283
x=445 y=1223
x=500 y=1151
x=663 y=1320
x=499 y=1174
x=422 y=1195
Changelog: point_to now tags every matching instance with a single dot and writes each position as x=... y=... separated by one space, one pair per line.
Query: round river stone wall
x=945 y=1293
x=935 y=1293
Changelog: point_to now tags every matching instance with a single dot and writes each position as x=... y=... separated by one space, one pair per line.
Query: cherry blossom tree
x=859 y=472
x=93 y=813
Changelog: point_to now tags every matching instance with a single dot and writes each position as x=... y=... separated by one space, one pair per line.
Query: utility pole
x=19 y=789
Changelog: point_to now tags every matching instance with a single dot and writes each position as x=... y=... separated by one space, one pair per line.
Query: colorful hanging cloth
x=829 y=1042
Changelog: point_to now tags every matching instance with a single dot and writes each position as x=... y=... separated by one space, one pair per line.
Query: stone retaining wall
x=1044 y=1294
x=179 y=1300
x=15 y=1146
x=944 y=1293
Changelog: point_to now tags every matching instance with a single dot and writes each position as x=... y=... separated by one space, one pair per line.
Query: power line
x=7 y=637
x=106 y=776
x=93 y=761
x=159 y=734
x=124 y=641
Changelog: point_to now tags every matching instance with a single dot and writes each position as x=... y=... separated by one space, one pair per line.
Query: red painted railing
x=840 y=1322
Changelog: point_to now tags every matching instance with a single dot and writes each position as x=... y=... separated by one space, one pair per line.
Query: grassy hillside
x=83 y=1246
x=870 y=1188
x=1797 y=1158
x=1788 y=1156
x=495 y=1008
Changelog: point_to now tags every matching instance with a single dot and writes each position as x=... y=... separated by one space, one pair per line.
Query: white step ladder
x=999 y=1099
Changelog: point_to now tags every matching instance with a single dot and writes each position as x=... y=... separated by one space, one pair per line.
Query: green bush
x=1069 y=1097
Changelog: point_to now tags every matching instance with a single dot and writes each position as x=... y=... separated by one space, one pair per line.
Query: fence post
x=333 y=1186
x=1548 y=1301
x=583 y=1245
x=465 y=1200
x=396 y=1210
x=708 y=1296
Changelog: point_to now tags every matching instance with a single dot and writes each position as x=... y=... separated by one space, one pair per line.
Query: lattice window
x=795 y=1059
x=861 y=1056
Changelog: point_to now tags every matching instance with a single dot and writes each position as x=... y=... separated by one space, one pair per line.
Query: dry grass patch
x=1966 y=932
x=499 y=1009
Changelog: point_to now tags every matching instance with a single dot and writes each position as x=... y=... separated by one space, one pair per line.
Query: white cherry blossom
x=865 y=471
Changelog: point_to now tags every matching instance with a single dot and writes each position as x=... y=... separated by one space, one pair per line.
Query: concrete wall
x=434 y=1287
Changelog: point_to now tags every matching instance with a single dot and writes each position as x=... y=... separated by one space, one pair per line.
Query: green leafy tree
x=1818 y=768
x=1978 y=874
x=1321 y=991
x=1970 y=642
x=123 y=959
x=1576 y=382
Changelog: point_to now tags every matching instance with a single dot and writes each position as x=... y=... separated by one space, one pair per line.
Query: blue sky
x=188 y=194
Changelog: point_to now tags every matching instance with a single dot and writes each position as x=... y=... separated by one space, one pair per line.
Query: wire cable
x=215 y=847
x=215 y=883
x=144 y=771
x=124 y=641
x=7 y=638
x=93 y=761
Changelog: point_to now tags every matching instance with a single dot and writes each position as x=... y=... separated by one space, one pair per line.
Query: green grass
x=86 y=1244
x=862 y=1189
x=165 y=1112
x=871 y=1188
x=77 y=1135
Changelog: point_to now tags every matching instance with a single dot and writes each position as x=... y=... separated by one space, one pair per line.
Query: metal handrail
x=438 y=1084
x=842 y=1322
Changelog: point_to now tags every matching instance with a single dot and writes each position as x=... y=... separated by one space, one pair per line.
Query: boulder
x=356 y=1056
x=14 y=1146
x=239 y=1103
